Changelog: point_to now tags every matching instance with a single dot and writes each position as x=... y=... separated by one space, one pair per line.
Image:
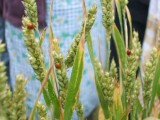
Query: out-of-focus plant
x=12 y=104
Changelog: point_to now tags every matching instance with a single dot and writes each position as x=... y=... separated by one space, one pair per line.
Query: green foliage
x=54 y=100
x=120 y=47
x=74 y=84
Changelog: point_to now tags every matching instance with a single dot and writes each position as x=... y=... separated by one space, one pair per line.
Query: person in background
x=152 y=32
x=67 y=18
x=5 y=55
x=139 y=13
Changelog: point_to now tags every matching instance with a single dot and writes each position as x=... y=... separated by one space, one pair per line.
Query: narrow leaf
x=120 y=47
x=74 y=84
x=130 y=23
x=46 y=97
x=90 y=48
x=118 y=6
x=158 y=91
x=54 y=101
x=139 y=106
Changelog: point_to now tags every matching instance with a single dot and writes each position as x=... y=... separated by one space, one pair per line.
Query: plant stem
x=126 y=33
x=108 y=53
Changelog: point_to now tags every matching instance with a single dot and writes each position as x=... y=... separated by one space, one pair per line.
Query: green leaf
x=118 y=113
x=90 y=48
x=74 y=84
x=118 y=6
x=130 y=23
x=54 y=101
x=46 y=98
x=123 y=98
x=136 y=109
x=155 y=84
x=158 y=91
x=104 y=105
x=139 y=107
x=120 y=47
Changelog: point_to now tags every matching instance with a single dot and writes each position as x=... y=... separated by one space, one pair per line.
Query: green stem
x=125 y=34
x=108 y=53
x=144 y=114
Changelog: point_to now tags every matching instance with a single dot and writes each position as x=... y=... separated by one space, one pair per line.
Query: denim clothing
x=5 y=55
x=13 y=10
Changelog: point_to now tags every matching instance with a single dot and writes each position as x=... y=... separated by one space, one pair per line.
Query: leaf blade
x=54 y=101
x=130 y=23
x=74 y=83
x=120 y=47
x=119 y=11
